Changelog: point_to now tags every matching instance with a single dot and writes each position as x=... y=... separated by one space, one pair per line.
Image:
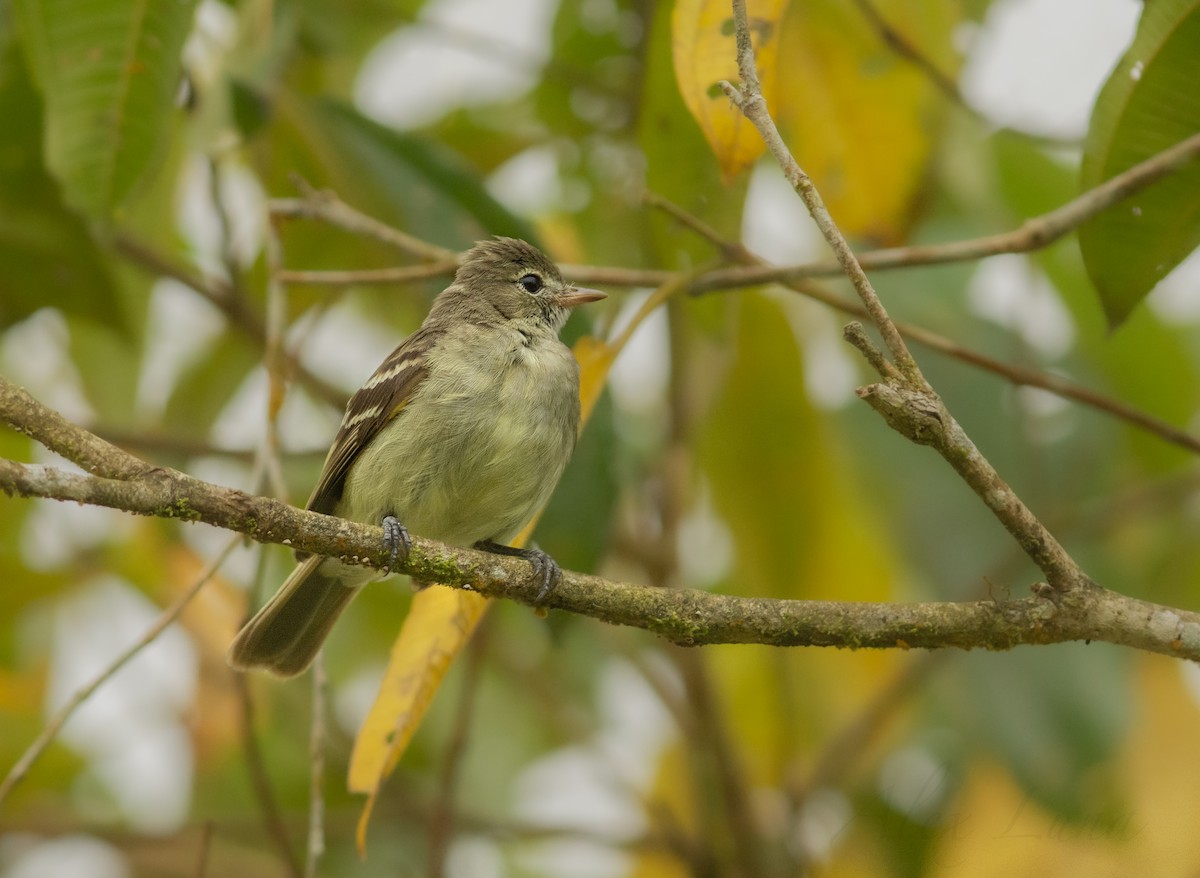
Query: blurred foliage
x=729 y=452
x=1148 y=104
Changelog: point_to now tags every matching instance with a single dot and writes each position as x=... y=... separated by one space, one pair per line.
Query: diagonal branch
x=904 y=398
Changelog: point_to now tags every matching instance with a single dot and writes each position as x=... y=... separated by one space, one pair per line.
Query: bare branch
x=907 y=402
x=689 y=618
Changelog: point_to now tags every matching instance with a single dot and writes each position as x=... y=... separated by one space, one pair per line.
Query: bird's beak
x=572 y=296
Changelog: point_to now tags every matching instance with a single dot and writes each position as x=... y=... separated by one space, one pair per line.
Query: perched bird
x=460 y=435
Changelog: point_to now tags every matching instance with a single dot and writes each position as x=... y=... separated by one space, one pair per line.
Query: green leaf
x=49 y=258
x=108 y=71
x=1055 y=717
x=1150 y=102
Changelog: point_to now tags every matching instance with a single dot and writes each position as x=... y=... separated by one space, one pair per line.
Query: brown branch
x=315 y=847
x=682 y=616
x=405 y=274
x=1033 y=234
x=442 y=812
x=260 y=781
x=326 y=206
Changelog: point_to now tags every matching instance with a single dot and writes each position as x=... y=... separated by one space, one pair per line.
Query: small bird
x=461 y=435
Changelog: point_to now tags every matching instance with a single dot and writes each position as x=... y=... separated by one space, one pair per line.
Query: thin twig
x=206 y=837
x=754 y=106
x=1022 y=376
x=442 y=814
x=316 y=761
x=64 y=713
x=402 y=275
x=275 y=359
x=1033 y=234
x=260 y=781
x=326 y=206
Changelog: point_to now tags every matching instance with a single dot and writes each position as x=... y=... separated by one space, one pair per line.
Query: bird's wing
x=376 y=403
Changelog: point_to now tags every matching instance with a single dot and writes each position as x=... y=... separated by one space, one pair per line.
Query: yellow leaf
x=857 y=116
x=436 y=629
x=704 y=51
x=595 y=359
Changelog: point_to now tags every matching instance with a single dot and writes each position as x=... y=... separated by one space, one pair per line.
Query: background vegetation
x=728 y=451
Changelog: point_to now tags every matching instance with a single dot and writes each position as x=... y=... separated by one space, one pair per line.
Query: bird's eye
x=530 y=283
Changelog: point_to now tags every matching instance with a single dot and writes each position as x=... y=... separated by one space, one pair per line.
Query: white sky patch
x=180 y=327
x=459 y=53
x=639 y=376
x=35 y=354
x=1011 y=292
x=131 y=729
x=775 y=223
x=244 y=205
x=528 y=183
x=352 y=700
x=474 y=856
x=831 y=372
x=595 y=785
x=1037 y=65
x=344 y=347
x=79 y=856
x=1176 y=299
x=303 y=423
x=704 y=544
x=915 y=783
x=54 y=533
x=823 y=822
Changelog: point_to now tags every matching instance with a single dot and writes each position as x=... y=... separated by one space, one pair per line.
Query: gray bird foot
x=395 y=540
x=544 y=567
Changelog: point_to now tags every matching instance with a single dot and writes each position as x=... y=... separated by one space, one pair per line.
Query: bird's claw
x=395 y=540
x=544 y=567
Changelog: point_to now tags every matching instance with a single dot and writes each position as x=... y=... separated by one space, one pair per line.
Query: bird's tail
x=286 y=634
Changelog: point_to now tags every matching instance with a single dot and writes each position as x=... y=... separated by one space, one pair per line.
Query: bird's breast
x=480 y=447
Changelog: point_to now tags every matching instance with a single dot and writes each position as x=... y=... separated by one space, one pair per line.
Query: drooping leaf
x=436 y=629
x=1149 y=103
x=703 y=46
x=49 y=257
x=108 y=71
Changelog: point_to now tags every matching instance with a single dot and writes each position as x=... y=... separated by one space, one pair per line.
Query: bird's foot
x=544 y=567
x=395 y=540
